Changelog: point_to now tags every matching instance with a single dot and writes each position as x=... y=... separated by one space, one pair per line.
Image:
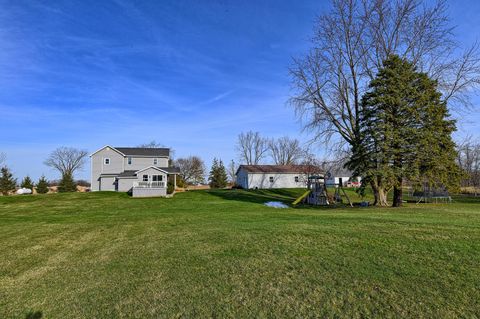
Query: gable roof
x=168 y=170
x=144 y=151
x=109 y=147
x=285 y=169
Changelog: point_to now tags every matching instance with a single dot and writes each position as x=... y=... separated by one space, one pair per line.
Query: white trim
x=113 y=148
x=154 y=167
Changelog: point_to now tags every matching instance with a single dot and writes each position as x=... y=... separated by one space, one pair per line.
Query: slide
x=298 y=200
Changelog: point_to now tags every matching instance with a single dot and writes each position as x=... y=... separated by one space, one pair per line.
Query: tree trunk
x=380 y=195
x=398 y=194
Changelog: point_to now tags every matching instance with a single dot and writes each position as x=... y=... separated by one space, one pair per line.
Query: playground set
x=317 y=193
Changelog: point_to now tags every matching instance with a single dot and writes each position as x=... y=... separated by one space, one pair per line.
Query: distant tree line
x=469 y=162
x=66 y=160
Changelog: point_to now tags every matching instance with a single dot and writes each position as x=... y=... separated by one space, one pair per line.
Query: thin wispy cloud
x=188 y=74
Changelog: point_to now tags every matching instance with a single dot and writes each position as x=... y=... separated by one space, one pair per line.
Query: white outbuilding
x=274 y=176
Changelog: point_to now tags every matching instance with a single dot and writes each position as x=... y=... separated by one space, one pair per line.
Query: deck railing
x=149 y=184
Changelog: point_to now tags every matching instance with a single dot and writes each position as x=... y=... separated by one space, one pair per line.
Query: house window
x=296 y=179
x=129 y=161
x=155 y=161
x=157 y=178
x=106 y=161
x=145 y=178
x=271 y=179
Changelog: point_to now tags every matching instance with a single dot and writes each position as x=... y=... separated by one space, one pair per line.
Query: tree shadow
x=258 y=196
x=34 y=315
x=286 y=196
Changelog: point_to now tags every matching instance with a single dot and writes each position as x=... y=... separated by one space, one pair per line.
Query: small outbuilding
x=336 y=176
x=275 y=176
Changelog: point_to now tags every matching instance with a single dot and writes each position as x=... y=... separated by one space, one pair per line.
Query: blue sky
x=189 y=74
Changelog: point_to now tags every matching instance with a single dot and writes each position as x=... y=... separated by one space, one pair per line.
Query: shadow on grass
x=258 y=196
x=261 y=196
x=287 y=196
x=34 y=315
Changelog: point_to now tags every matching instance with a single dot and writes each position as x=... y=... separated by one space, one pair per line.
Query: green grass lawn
x=224 y=254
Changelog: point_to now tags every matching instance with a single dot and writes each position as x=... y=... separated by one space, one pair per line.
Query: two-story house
x=141 y=171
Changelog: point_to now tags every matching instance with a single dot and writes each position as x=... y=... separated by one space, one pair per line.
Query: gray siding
x=98 y=166
x=125 y=184
x=149 y=192
x=141 y=162
x=107 y=183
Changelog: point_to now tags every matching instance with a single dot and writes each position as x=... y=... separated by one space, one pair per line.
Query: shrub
x=27 y=183
x=180 y=181
x=67 y=184
x=170 y=187
x=7 y=182
x=84 y=183
x=42 y=185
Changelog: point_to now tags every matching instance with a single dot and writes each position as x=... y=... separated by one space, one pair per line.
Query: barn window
x=106 y=161
x=296 y=179
x=129 y=161
x=145 y=178
x=155 y=161
x=271 y=179
x=157 y=178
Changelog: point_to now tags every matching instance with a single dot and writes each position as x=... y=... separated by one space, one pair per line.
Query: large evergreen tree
x=7 y=182
x=218 y=175
x=222 y=178
x=67 y=184
x=405 y=132
x=42 y=185
x=27 y=183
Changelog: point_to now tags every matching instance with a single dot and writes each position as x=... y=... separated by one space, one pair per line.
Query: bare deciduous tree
x=349 y=45
x=155 y=144
x=231 y=171
x=192 y=169
x=151 y=144
x=310 y=166
x=251 y=147
x=67 y=160
x=285 y=151
x=469 y=162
